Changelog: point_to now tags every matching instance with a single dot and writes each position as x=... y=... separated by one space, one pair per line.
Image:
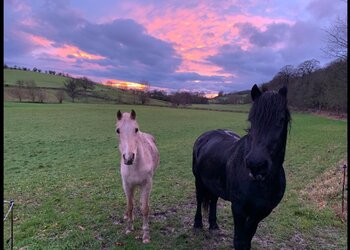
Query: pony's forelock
x=266 y=108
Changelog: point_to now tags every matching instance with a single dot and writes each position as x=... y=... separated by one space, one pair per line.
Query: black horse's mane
x=266 y=109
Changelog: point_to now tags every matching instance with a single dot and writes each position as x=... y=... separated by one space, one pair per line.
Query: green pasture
x=61 y=167
x=41 y=79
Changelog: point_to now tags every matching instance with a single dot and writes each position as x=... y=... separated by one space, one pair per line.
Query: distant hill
x=239 y=97
x=41 y=79
x=52 y=83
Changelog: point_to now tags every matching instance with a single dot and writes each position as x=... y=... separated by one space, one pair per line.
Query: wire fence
x=10 y=212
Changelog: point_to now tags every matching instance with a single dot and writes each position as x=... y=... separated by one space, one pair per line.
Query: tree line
x=311 y=87
x=180 y=98
x=35 y=69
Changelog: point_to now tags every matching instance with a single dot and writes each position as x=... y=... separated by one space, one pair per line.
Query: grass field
x=61 y=167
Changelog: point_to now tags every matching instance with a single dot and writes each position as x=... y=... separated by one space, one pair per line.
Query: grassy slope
x=41 y=80
x=53 y=81
x=61 y=168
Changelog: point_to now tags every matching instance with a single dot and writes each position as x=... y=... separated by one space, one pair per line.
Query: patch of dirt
x=327 y=189
x=296 y=242
x=331 y=115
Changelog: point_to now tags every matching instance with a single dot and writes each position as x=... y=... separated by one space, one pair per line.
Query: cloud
x=323 y=9
x=251 y=66
x=211 y=45
x=268 y=50
x=121 y=43
x=271 y=36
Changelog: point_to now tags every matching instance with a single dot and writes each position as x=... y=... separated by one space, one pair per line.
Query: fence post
x=342 y=202
x=12 y=204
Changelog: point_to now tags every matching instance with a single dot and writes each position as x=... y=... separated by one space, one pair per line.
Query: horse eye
x=118 y=130
x=136 y=130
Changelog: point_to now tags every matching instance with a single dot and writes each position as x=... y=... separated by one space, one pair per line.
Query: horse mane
x=266 y=108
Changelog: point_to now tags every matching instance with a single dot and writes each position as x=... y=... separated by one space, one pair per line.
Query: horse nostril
x=249 y=163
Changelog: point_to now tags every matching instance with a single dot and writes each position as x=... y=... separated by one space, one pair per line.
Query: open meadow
x=61 y=167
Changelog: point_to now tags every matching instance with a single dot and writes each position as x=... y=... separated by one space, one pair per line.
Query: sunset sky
x=207 y=46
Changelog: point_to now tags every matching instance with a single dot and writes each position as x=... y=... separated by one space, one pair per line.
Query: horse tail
x=205 y=206
x=202 y=193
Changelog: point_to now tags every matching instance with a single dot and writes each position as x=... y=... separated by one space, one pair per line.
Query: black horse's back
x=210 y=155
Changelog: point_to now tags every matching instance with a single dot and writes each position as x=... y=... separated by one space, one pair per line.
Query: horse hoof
x=214 y=227
x=198 y=225
x=197 y=230
x=146 y=241
x=214 y=231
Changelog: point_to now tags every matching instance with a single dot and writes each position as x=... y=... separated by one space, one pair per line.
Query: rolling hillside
x=52 y=83
x=41 y=80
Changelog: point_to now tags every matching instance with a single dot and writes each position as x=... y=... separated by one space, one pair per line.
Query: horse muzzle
x=258 y=170
x=129 y=160
x=258 y=177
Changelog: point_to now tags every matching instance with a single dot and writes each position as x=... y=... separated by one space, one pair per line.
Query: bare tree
x=59 y=95
x=42 y=95
x=307 y=67
x=233 y=99
x=31 y=89
x=86 y=84
x=144 y=93
x=17 y=92
x=286 y=73
x=337 y=39
x=72 y=88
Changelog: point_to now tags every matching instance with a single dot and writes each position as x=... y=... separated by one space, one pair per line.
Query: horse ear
x=133 y=114
x=119 y=115
x=255 y=92
x=283 y=91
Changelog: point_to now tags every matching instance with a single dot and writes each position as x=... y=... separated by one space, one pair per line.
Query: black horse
x=247 y=171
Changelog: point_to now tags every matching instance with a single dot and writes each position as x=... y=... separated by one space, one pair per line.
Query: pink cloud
x=40 y=41
x=196 y=33
x=67 y=51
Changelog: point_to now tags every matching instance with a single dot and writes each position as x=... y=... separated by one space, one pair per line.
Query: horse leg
x=212 y=213
x=145 y=195
x=252 y=225
x=129 y=215
x=198 y=224
x=239 y=237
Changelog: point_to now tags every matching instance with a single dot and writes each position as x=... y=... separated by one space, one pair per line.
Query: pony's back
x=211 y=152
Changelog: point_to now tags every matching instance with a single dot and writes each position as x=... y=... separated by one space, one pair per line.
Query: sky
x=206 y=46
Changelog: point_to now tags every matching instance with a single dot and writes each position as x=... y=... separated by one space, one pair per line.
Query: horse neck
x=282 y=148
x=140 y=143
